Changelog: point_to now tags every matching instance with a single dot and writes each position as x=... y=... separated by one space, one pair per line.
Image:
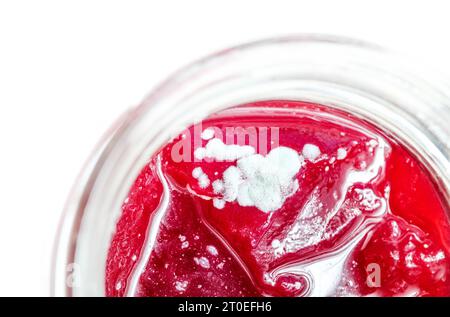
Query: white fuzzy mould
x=203 y=181
x=218 y=186
x=219 y=151
x=263 y=182
x=208 y=134
x=200 y=153
x=232 y=178
x=311 y=152
x=197 y=172
x=218 y=203
x=341 y=153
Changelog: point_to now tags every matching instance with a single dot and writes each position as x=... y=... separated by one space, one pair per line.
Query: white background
x=69 y=68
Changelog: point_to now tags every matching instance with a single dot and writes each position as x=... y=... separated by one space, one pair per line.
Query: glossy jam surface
x=282 y=198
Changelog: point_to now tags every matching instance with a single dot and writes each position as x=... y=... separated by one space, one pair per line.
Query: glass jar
x=410 y=103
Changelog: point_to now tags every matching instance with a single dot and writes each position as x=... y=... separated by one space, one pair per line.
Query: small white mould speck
x=208 y=134
x=203 y=262
x=181 y=286
x=197 y=172
x=212 y=250
x=341 y=153
x=203 y=181
x=218 y=203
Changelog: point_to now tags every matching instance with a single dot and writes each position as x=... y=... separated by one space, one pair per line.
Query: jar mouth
x=348 y=74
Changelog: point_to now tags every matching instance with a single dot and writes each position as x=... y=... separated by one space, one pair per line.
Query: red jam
x=282 y=198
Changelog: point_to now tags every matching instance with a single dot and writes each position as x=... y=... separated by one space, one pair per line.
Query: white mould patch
x=218 y=203
x=197 y=172
x=203 y=181
x=200 y=153
x=341 y=154
x=218 y=186
x=311 y=152
x=261 y=181
x=207 y=134
x=202 y=178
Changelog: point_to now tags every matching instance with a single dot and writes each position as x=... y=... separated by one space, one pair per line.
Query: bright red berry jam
x=282 y=198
